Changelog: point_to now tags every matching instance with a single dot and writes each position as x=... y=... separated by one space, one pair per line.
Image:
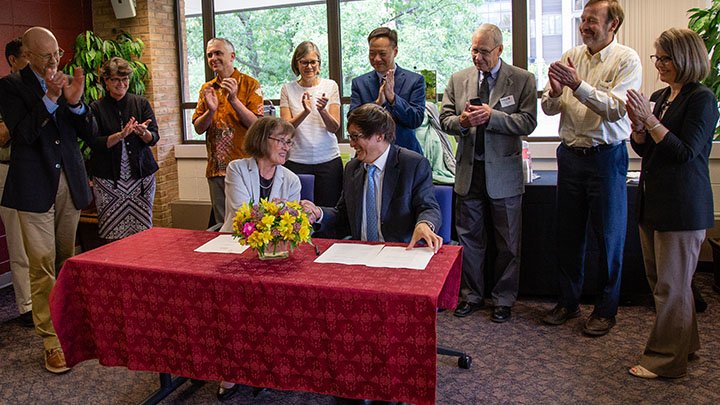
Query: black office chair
x=443 y=195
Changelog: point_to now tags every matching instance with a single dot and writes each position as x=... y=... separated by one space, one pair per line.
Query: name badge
x=507 y=101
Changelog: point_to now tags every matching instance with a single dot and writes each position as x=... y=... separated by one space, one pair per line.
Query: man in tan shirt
x=227 y=106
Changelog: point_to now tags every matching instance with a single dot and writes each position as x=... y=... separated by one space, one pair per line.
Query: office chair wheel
x=464 y=361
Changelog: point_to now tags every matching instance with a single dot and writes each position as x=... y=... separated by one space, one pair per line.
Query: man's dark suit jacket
x=408 y=110
x=675 y=190
x=42 y=146
x=407 y=198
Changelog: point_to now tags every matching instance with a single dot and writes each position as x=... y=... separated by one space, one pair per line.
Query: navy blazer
x=42 y=146
x=675 y=191
x=407 y=198
x=408 y=110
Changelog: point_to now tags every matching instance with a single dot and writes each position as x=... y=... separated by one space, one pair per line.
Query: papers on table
x=222 y=244
x=633 y=177
x=377 y=256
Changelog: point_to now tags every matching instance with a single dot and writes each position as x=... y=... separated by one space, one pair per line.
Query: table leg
x=167 y=385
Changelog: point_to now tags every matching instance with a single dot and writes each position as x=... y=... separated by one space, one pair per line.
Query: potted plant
x=706 y=22
x=91 y=52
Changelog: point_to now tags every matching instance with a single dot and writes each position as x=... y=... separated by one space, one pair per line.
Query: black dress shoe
x=501 y=314
x=223 y=394
x=26 y=319
x=466 y=308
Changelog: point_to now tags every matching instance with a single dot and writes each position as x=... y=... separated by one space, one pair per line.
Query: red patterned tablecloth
x=149 y=302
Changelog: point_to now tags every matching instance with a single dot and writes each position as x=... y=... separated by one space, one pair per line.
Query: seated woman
x=262 y=175
x=122 y=163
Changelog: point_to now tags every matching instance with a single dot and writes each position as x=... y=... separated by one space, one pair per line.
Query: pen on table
x=317 y=249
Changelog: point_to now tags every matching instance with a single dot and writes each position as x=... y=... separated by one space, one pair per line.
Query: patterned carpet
x=519 y=362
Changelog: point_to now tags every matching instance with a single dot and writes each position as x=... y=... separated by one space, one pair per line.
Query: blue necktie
x=43 y=85
x=371 y=206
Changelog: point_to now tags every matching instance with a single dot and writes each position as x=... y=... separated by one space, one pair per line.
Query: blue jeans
x=593 y=186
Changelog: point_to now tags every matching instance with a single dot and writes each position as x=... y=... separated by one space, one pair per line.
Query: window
x=556 y=33
x=433 y=35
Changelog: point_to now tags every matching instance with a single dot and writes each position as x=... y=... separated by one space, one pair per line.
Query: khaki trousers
x=49 y=239
x=670 y=261
x=19 y=266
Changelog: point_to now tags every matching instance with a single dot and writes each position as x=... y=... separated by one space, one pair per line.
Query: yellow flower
x=304 y=234
x=269 y=206
x=294 y=205
x=268 y=220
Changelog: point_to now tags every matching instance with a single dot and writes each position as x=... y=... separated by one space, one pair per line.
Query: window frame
x=520 y=44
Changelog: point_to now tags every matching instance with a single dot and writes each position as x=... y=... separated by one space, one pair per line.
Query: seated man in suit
x=395 y=202
x=399 y=91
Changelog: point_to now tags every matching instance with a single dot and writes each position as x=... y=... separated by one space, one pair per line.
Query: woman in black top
x=675 y=205
x=122 y=164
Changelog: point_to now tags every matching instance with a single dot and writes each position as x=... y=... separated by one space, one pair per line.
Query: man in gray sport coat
x=489 y=119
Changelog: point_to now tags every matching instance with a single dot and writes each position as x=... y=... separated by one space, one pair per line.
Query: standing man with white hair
x=489 y=106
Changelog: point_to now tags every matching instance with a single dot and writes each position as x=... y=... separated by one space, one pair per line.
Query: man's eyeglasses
x=289 y=142
x=307 y=63
x=662 y=59
x=482 y=52
x=354 y=137
x=46 y=57
x=116 y=80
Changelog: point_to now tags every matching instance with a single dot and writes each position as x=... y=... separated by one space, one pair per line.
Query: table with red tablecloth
x=149 y=302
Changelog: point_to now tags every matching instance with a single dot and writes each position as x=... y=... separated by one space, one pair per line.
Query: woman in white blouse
x=312 y=105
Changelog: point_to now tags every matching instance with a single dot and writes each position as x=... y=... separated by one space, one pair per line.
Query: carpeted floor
x=519 y=362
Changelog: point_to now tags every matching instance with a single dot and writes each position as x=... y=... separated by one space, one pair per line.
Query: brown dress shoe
x=55 y=361
x=559 y=315
x=597 y=326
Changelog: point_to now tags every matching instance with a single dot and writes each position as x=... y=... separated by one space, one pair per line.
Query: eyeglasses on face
x=482 y=52
x=307 y=63
x=287 y=142
x=116 y=80
x=662 y=59
x=46 y=57
x=354 y=136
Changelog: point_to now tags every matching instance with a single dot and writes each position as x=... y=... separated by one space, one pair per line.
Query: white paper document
x=222 y=244
x=349 y=253
x=377 y=256
x=399 y=257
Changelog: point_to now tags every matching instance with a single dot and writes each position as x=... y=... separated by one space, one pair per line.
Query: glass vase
x=275 y=250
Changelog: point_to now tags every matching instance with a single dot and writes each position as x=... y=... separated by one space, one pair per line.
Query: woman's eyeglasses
x=289 y=142
x=662 y=59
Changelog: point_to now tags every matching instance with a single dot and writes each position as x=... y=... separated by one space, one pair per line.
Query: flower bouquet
x=273 y=228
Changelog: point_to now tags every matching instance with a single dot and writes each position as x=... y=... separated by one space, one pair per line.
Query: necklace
x=264 y=180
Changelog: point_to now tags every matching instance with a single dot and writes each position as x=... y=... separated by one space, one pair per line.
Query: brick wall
x=155 y=25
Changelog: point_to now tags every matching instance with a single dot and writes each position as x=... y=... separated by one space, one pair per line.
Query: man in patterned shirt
x=227 y=106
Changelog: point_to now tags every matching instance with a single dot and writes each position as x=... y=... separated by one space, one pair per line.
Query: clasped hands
x=475 y=115
x=134 y=127
x=58 y=84
x=422 y=230
x=307 y=102
x=562 y=75
x=229 y=86
x=387 y=89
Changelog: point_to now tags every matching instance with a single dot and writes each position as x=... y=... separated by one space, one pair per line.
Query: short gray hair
x=489 y=29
